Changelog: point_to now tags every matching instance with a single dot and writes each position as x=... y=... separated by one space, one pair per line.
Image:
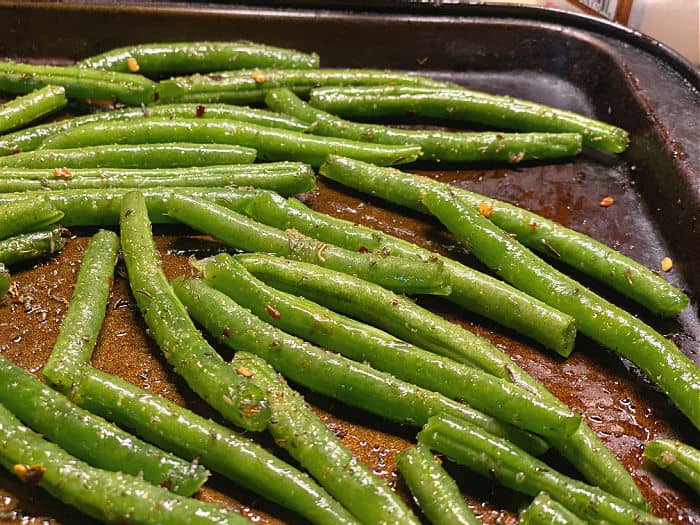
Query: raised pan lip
x=396 y=9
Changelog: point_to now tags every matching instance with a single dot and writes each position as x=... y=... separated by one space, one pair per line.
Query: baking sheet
x=655 y=185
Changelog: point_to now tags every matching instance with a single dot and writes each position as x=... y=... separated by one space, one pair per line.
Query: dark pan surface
x=655 y=185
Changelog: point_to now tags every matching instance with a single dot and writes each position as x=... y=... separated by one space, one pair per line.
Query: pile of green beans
x=190 y=154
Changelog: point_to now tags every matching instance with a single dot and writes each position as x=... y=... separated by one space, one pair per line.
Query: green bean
x=251 y=86
x=355 y=384
x=494 y=457
x=183 y=346
x=419 y=326
x=26 y=215
x=543 y=235
x=681 y=460
x=293 y=168
x=89 y=437
x=497 y=398
x=283 y=182
x=30 y=246
x=101 y=207
x=243 y=233
x=472 y=290
x=270 y=143
x=166 y=155
x=85 y=313
x=4 y=280
x=308 y=440
x=605 y=323
x=33 y=106
x=191 y=436
x=78 y=83
x=112 y=497
x=436 y=145
x=198 y=57
x=31 y=138
x=471 y=106
x=545 y=511
x=433 y=489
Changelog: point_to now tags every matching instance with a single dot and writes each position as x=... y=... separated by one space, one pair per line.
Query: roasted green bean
x=183 y=346
x=270 y=143
x=33 y=106
x=30 y=246
x=545 y=511
x=89 y=437
x=355 y=384
x=366 y=344
x=605 y=323
x=433 y=489
x=111 y=497
x=191 y=436
x=440 y=146
x=681 y=460
x=197 y=57
x=166 y=155
x=494 y=457
x=78 y=83
x=251 y=86
x=21 y=215
x=285 y=183
x=471 y=106
x=86 y=312
x=243 y=233
x=309 y=441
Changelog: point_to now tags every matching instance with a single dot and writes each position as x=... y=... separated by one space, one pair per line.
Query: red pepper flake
x=273 y=313
x=245 y=372
x=486 y=208
x=499 y=136
x=251 y=410
x=533 y=225
x=227 y=331
x=200 y=111
x=362 y=249
x=607 y=201
x=258 y=76
x=63 y=173
x=215 y=77
x=132 y=65
x=31 y=475
x=394 y=302
x=110 y=281
x=666 y=264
